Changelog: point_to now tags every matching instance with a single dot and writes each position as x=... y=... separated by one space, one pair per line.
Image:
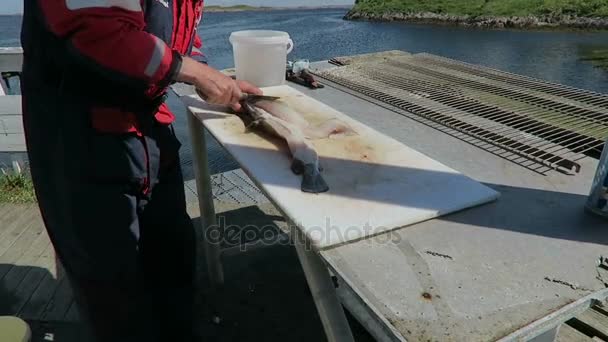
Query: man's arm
x=108 y=37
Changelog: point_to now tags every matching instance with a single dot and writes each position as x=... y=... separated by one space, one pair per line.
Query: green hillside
x=583 y=8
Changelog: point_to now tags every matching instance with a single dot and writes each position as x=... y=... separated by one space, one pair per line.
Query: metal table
x=317 y=275
x=512 y=270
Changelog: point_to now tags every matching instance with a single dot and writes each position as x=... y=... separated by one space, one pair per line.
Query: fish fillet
x=282 y=111
x=281 y=121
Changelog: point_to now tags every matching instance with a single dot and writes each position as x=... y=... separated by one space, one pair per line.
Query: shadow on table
x=537 y=212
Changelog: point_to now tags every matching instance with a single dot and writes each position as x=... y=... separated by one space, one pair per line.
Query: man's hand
x=245 y=87
x=214 y=86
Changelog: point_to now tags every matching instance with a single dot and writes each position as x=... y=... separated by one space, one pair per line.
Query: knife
x=247 y=97
x=253 y=98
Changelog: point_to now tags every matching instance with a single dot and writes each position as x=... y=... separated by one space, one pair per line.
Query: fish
x=328 y=128
x=278 y=119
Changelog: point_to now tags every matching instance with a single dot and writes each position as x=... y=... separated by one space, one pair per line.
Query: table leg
x=323 y=292
x=205 y=203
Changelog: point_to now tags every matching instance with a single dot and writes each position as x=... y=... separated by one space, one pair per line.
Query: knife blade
x=253 y=98
x=246 y=97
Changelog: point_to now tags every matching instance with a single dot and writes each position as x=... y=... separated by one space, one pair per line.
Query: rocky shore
x=528 y=22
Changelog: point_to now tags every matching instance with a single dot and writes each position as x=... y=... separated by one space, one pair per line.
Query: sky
x=16 y=6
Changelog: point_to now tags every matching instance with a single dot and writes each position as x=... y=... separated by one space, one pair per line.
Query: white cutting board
x=376 y=183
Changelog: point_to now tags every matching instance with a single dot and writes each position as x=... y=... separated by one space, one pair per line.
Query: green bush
x=590 y=8
x=16 y=188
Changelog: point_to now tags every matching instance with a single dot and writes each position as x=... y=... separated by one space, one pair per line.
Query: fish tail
x=312 y=181
x=297 y=166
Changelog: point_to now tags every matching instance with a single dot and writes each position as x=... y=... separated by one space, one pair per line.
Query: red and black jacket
x=120 y=56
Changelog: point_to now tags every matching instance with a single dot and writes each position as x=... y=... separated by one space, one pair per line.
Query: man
x=104 y=158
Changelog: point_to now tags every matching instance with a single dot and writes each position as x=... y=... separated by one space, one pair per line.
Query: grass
x=16 y=188
x=597 y=55
x=584 y=8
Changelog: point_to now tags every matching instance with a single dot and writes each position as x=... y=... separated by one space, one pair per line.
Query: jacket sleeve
x=108 y=37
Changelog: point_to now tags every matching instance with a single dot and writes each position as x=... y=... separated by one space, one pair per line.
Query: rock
x=386 y=17
x=398 y=16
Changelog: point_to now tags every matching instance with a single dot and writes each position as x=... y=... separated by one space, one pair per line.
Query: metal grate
x=537 y=124
x=230 y=187
x=234 y=186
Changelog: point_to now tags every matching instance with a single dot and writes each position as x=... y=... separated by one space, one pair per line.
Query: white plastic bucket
x=260 y=56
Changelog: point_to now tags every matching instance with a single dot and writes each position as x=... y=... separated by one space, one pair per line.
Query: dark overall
x=113 y=202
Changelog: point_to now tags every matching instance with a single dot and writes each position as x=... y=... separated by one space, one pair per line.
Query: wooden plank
x=72 y=315
x=18 y=227
x=47 y=260
x=30 y=254
x=9 y=213
x=21 y=267
x=35 y=308
x=30 y=280
x=18 y=224
x=12 y=138
x=7 y=220
x=42 y=294
x=11 y=124
x=569 y=334
x=592 y=323
x=30 y=234
x=10 y=105
x=59 y=305
x=13 y=143
x=5 y=209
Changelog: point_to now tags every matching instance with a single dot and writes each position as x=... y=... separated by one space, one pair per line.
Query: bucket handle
x=289 y=45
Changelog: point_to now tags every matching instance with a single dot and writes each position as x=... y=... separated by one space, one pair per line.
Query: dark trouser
x=128 y=254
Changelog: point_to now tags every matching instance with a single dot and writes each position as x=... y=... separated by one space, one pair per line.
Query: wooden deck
x=34 y=287
x=32 y=283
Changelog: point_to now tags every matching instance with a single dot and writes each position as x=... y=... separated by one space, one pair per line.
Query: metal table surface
x=513 y=270
x=502 y=270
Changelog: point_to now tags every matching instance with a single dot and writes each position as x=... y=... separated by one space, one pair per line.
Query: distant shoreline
x=496 y=22
x=236 y=8
x=245 y=8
